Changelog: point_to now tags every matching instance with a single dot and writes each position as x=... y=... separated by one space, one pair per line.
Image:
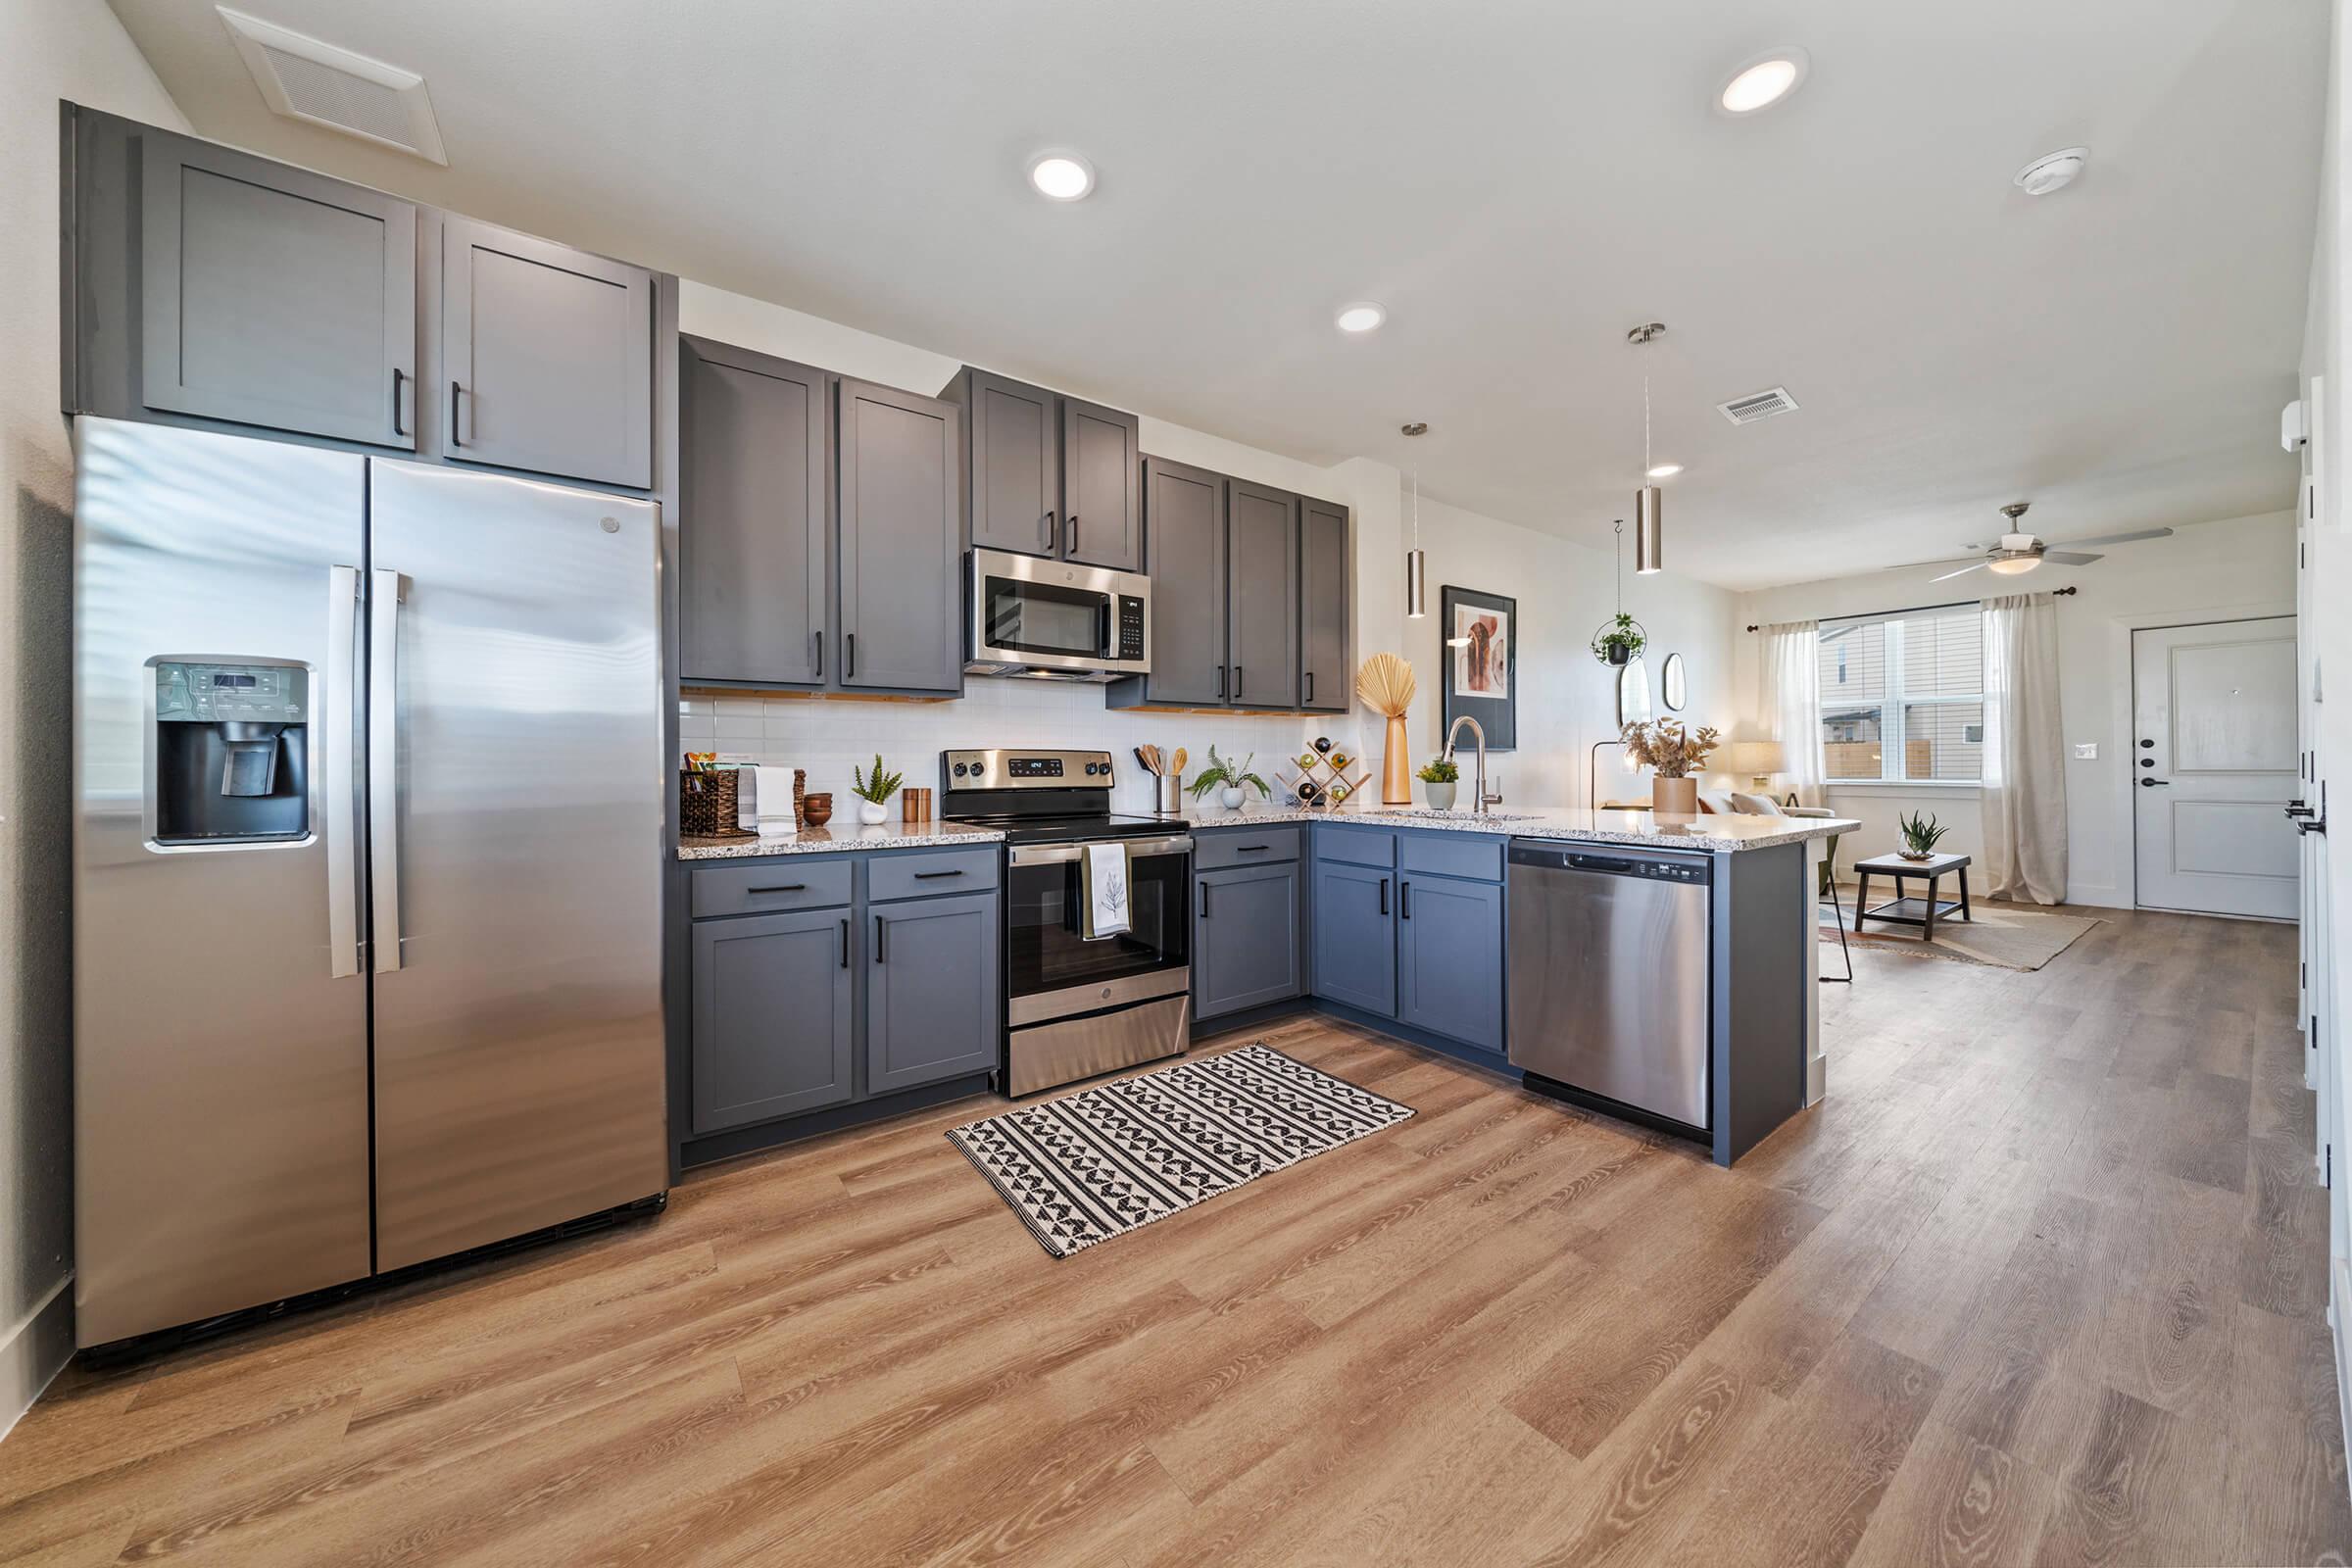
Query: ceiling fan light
x=2012 y=565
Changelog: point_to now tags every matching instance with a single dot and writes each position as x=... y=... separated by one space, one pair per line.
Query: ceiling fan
x=2020 y=552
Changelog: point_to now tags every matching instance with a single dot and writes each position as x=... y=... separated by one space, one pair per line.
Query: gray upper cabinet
x=1355 y=936
x=1101 y=491
x=934 y=1003
x=1186 y=507
x=1325 y=686
x=275 y=297
x=1449 y=947
x=1263 y=617
x=755 y=528
x=1015 y=465
x=1246 y=925
x=547 y=357
x=901 y=531
x=775 y=1026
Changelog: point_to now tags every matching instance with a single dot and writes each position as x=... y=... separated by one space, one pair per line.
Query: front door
x=2214 y=764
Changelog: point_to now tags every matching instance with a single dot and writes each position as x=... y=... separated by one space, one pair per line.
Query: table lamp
x=1759 y=760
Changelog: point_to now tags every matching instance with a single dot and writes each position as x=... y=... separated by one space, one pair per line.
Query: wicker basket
x=710 y=803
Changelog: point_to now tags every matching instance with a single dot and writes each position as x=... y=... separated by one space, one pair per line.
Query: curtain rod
x=1917 y=610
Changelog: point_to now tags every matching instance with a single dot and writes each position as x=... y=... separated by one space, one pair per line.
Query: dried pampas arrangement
x=1386 y=683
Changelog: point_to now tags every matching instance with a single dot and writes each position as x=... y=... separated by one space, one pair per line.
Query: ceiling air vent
x=306 y=79
x=1758 y=406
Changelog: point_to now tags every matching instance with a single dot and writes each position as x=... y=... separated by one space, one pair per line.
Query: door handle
x=849 y=666
x=1220 y=683
x=2298 y=808
x=2312 y=824
x=816 y=641
x=383 y=764
x=881 y=941
x=1383 y=895
x=452 y=414
x=1310 y=688
x=1237 y=683
x=1203 y=901
x=342 y=782
x=2151 y=783
x=1069 y=545
x=396 y=380
x=1047 y=525
x=844 y=944
x=781 y=887
x=1404 y=900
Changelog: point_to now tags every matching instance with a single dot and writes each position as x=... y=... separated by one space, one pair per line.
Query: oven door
x=1053 y=972
x=1051 y=615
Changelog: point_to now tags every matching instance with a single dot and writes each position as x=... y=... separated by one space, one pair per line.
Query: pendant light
x=1649 y=524
x=1416 y=562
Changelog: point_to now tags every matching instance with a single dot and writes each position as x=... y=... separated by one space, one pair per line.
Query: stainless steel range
x=1079 y=1007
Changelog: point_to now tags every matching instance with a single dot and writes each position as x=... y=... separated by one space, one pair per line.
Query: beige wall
x=2224 y=570
x=49 y=49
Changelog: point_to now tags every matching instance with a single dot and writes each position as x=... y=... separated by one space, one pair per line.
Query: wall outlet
x=2087 y=751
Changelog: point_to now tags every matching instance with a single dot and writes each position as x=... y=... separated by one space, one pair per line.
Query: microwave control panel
x=1131 y=626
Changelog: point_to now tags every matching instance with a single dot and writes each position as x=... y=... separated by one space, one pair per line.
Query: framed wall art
x=1482 y=662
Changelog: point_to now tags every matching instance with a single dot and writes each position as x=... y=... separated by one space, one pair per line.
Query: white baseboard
x=2339 y=1278
x=35 y=1351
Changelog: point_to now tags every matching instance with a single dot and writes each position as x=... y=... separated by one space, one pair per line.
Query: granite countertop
x=1705 y=831
x=838 y=835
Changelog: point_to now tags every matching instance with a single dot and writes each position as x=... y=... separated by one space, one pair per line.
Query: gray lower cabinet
x=1355 y=936
x=275 y=297
x=933 y=991
x=755 y=526
x=901 y=537
x=1324 y=669
x=547 y=357
x=1262 y=569
x=1246 y=925
x=774 y=1025
x=1449 y=947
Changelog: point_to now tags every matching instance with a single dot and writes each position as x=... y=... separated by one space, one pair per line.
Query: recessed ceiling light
x=1762 y=81
x=1665 y=470
x=1061 y=177
x=1361 y=317
x=2051 y=170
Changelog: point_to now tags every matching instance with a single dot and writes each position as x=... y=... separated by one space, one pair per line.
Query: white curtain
x=1791 y=705
x=2024 y=751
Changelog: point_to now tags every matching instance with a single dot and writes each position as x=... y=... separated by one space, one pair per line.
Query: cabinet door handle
x=1220 y=683
x=1310 y=688
x=850 y=667
x=844 y=944
x=397 y=378
x=1203 y=901
x=1070 y=547
x=1045 y=524
x=1251 y=848
x=881 y=941
x=1404 y=900
x=781 y=887
x=816 y=641
x=1383 y=895
x=1237 y=683
x=933 y=876
x=452 y=414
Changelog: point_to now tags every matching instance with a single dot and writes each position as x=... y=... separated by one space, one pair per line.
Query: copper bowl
x=816 y=810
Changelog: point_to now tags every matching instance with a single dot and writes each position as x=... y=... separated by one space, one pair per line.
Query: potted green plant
x=1674 y=754
x=1921 y=834
x=1227 y=778
x=1619 y=642
x=1439 y=776
x=873 y=790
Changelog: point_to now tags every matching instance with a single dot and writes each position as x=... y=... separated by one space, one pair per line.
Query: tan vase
x=1674 y=796
x=1396 y=768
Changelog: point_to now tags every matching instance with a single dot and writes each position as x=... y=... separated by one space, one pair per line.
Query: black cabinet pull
x=452 y=414
x=1310 y=686
x=933 y=876
x=844 y=944
x=1220 y=683
x=1404 y=900
x=1237 y=683
x=784 y=887
x=1047 y=522
x=1251 y=848
x=817 y=640
x=1203 y=901
x=1070 y=547
x=396 y=380
x=881 y=941
x=850 y=665
x=1383 y=895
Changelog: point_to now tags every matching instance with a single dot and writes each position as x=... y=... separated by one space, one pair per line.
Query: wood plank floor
x=2040 y=1283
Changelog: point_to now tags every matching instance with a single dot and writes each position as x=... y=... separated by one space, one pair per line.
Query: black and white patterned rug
x=1096 y=1164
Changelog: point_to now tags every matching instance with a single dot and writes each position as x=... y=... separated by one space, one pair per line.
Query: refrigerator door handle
x=342 y=785
x=383 y=763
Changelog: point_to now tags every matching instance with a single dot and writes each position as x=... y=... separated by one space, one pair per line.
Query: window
x=1903 y=698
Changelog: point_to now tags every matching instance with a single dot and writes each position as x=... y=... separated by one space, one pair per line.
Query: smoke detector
x=2052 y=171
x=1758 y=406
x=303 y=78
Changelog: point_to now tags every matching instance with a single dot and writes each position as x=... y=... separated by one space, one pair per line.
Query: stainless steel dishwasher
x=1608 y=988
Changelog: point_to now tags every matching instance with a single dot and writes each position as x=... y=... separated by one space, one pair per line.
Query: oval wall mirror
x=1670 y=684
x=1633 y=694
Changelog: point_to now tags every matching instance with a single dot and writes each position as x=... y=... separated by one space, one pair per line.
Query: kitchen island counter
x=1670 y=831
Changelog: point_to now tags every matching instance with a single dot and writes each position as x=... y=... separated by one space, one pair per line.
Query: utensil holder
x=1171 y=795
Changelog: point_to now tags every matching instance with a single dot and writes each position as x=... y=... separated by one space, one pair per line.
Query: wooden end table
x=1903 y=910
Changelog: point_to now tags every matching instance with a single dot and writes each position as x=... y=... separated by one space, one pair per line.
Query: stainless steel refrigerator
x=368 y=772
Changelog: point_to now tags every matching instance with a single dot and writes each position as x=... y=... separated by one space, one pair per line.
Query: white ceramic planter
x=871 y=813
x=1231 y=796
x=1439 y=796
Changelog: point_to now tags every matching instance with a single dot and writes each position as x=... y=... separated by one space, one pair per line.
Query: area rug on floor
x=2002 y=937
x=1099 y=1163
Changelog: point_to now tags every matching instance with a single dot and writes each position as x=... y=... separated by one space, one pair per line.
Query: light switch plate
x=2087 y=751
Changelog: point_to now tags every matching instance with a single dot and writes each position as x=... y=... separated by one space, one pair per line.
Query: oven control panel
x=1024 y=769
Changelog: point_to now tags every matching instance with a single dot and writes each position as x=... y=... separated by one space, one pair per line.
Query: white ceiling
x=1517 y=182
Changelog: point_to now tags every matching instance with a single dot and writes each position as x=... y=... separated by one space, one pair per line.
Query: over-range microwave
x=1056 y=619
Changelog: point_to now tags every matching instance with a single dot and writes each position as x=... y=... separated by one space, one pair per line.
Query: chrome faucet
x=1480 y=799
